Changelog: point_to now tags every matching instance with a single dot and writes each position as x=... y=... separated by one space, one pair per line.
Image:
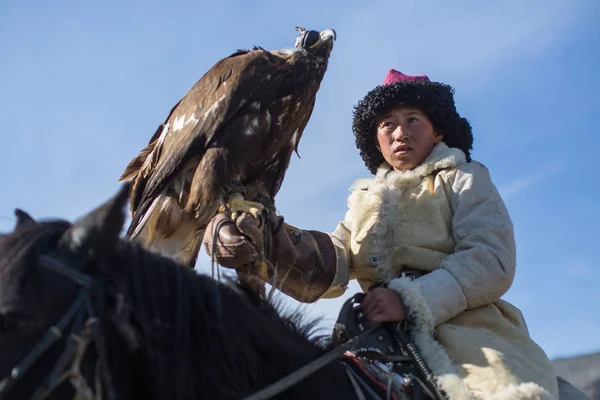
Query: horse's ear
x=22 y=218
x=98 y=232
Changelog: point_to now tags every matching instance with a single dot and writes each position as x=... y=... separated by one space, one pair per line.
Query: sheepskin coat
x=446 y=218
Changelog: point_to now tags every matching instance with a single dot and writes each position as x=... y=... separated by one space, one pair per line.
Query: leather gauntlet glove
x=234 y=244
x=304 y=261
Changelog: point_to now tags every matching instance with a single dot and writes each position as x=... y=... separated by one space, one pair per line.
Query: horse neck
x=202 y=338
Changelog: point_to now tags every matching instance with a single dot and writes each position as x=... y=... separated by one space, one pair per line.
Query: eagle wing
x=273 y=175
x=237 y=127
x=193 y=124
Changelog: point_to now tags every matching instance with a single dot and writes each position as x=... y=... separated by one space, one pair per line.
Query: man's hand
x=236 y=244
x=383 y=305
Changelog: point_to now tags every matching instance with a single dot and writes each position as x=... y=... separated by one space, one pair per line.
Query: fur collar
x=441 y=157
x=422 y=333
x=383 y=196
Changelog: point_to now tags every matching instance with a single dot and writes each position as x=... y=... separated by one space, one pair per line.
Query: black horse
x=82 y=311
x=86 y=314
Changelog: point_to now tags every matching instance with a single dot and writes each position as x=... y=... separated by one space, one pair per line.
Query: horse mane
x=194 y=335
x=20 y=249
x=239 y=342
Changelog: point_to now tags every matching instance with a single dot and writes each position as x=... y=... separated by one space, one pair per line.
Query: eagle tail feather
x=140 y=218
x=137 y=164
x=147 y=157
x=166 y=229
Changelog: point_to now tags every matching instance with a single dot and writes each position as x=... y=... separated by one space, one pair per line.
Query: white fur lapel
x=437 y=359
x=384 y=193
x=441 y=157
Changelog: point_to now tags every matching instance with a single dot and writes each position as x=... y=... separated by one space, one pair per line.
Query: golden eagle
x=227 y=142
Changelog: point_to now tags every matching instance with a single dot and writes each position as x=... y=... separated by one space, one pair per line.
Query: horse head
x=85 y=312
x=50 y=289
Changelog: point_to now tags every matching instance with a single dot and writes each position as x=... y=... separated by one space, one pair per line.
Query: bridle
x=83 y=330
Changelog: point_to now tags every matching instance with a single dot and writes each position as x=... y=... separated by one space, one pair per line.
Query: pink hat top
x=394 y=76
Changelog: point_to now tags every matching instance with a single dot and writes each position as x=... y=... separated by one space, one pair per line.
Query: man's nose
x=399 y=133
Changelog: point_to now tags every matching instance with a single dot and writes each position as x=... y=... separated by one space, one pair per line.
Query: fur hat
x=434 y=99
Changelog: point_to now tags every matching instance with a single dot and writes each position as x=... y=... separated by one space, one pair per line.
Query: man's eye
x=412 y=120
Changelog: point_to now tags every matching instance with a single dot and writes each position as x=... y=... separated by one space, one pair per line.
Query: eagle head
x=313 y=43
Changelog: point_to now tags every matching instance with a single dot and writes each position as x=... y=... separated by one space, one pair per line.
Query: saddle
x=384 y=362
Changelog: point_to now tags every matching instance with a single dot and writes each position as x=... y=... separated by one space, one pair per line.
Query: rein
x=81 y=334
x=350 y=330
x=84 y=332
x=293 y=378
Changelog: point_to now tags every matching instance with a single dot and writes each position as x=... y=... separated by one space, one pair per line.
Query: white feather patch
x=280 y=118
x=294 y=139
x=214 y=106
x=191 y=120
x=152 y=156
x=179 y=122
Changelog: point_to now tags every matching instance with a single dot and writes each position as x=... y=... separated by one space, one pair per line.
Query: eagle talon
x=236 y=206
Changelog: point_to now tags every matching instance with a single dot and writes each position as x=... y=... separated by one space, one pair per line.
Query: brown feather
x=240 y=123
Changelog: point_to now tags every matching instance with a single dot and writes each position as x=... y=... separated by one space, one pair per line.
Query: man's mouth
x=402 y=149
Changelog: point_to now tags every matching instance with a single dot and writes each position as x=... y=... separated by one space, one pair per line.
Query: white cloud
x=523 y=183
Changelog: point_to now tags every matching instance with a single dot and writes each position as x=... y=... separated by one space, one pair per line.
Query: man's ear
x=439 y=137
x=374 y=136
x=377 y=145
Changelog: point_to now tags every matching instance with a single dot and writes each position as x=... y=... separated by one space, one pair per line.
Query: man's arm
x=305 y=261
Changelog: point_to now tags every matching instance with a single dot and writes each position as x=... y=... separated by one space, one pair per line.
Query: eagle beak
x=327 y=34
x=324 y=44
x=316 y=43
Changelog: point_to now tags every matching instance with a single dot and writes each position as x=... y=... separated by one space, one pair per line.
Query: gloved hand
x=237 y=243
x=304 y=261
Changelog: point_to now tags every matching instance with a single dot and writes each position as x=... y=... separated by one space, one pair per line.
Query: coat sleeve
x=343 y=268
x=312 y=264
x=482 y=267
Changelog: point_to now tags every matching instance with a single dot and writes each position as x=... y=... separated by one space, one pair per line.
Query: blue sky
x=83 y=86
